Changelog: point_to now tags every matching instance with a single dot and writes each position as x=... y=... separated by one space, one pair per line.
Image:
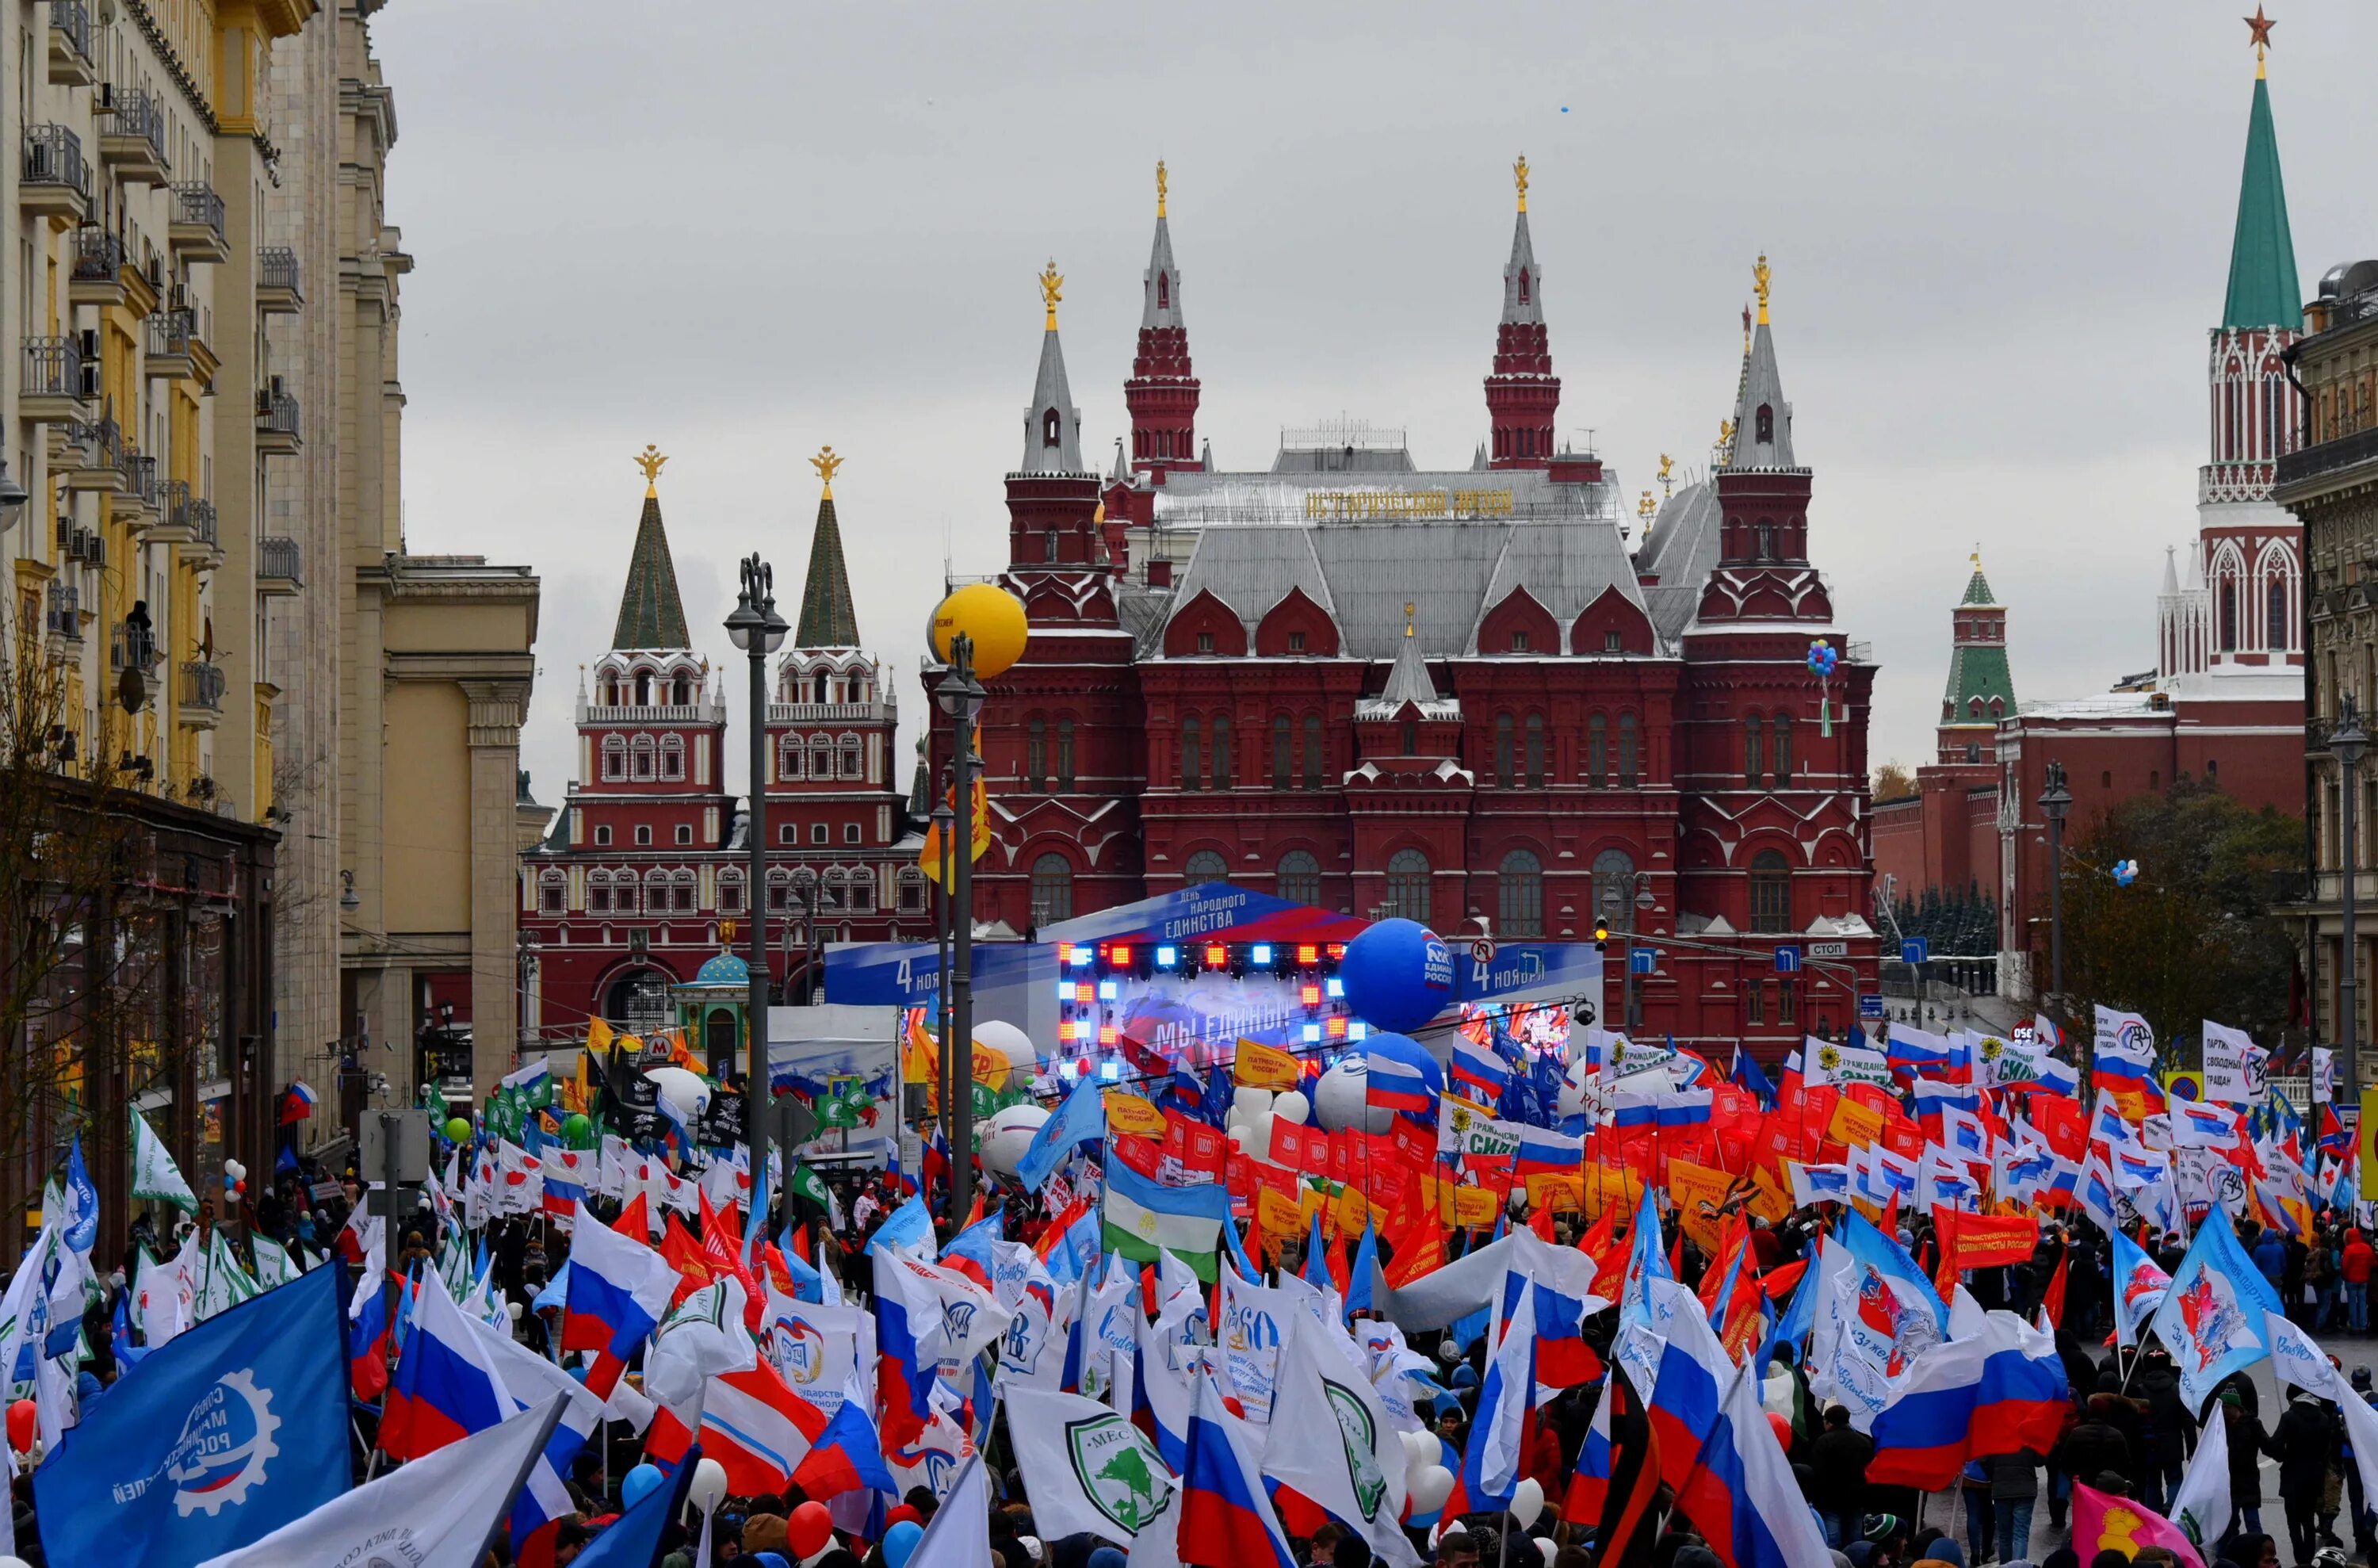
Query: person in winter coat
x=2095 y=1445
x=2014 y=1489
x=2353 y=1265
x=2170 y=1434
x=2306 y=1445
x=2248 y=1442
x=1837 y=1463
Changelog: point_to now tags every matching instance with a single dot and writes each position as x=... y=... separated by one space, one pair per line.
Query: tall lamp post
x=759 y=631
x=960 y=695
x=2055 y=804
x=2347 y=743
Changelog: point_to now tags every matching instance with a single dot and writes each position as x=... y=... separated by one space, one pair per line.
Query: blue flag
x=80 y=1223
x=216 y=1440
x=1747 y=1074
x=1083 y=1116
x=2211 y=1317
x=909 y=1225
x=1366 y=1263
x=633 y=1540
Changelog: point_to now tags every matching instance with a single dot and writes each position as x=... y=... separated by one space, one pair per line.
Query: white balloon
x=708 y=1486
x=1342 y=1099
x=1258 y=1139
x=235 y=1170
x=1293 y=1107
x=1007 y=1135
x=513 y=1309
x=1431 y=1487
x=684 y=1093
x=1527 y=1501
x=996 y=1034
x=1246 y=1104
x=1421 y=1449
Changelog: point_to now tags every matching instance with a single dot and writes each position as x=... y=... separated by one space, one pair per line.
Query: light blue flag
x=1083 y=1116
x=1896 y=1314
x=1800 y=1318
x=1366 y=1264
x=216 y=1440
x=909 y=1225
x=79 y=1224
x=2140 y=1285
x=2212 y=1318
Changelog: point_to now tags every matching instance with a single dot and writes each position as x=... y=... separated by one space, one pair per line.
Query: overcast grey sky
x=744 y=229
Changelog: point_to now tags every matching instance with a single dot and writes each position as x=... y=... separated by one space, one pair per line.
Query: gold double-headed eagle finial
x=827 y=466
x=1410 y=608
x=1647 y=506
x=1052 y=289
x=650 y=461
x=1160 y=187
x=1759 y=275
x=1520 y=176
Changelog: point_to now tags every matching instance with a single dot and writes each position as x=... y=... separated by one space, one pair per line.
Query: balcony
x=56 y=182
x=277 y=293
x=132 y=140
x=171 y=333
x=136 y=502
x=173 y=506
x=202 y=546
x=63 y=618
x=202 y=693
x=277 y=562
x=90 y=456
x=132 y=647
x=197 y=231
x=276 y=424
x=97 y=277
x=59 y=382
x=71 y=62
x=2323 y=458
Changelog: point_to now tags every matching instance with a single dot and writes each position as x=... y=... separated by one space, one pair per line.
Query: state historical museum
x=1463 y=695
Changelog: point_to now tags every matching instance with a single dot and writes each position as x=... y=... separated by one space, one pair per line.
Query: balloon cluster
x=2125 y=873
x=234 y=1180
x=1823 y=659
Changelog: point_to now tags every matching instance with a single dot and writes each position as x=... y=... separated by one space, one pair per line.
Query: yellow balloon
x=992 y=617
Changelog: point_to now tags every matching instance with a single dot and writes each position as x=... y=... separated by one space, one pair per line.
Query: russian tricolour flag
x=1223 y=1505
x=1545 y=1153
x=2002 y=1390
x=1479 y=1071
x=447 y=1386
x=618 y=1289
x=1396 y=1085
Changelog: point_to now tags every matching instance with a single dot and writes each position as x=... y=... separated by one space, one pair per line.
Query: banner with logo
x=1699 y=1193
x=1133 y=1114
x=816 y=1349
x=1255 y=1321
x=2237 y=1072
x=1266 y=1066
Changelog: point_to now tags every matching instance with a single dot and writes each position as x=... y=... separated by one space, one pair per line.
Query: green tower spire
x=2264 y=289
x=829 y=616
x=651 y=616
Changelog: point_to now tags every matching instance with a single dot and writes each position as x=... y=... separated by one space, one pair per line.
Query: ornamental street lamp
x=2347 y=743
x=2056 y=804
x=759 y=631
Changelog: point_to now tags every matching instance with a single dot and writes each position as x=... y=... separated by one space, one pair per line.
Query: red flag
x=722 y=1250
x=684 y=1255
x=2052 y=1301
x=635 y=1223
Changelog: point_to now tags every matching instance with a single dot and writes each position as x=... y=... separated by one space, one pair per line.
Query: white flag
x=959 y=1536
x=437 y=1512
x=2236 y=1069
x=1331 y=1439
x=154 y=1175
x=1088 y=1469
x=2201 y=1506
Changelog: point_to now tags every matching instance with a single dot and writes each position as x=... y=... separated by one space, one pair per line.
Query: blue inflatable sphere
x=900 y=1543
x=1398 y=975
x=639 y=1481
x=1403 y=1048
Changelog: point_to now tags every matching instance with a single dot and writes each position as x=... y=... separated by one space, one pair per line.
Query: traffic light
x=1600 y=933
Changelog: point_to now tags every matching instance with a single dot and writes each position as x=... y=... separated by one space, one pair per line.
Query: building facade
x=2330 y=481
x=1944 y=834
x=1462 y=696
x=629 y=903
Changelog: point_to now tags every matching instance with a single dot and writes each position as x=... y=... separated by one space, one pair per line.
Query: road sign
x=1915 y=950
x=1644 y=960
x=1787 y=960
x=405 y=1135
x=1829 y=950
x=1482 y=949
x=1870 y=1004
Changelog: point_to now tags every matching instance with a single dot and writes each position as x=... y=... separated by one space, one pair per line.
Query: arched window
x=1411 y=733
x=640 y=757
x=912 y=891
x=854 y=757
x=1408 y=885
x=552 y=892
x=1614 y=888
x=643 y=688
x=1754 y=764
x=1503 y=775
x=1313 y=751
x=1626 y=762
x=1222 y=777
x=1523 y=285
x=820 y=688
x=681 y=889
x=656 y=891
x=1782 y=735
x=1766 y=422
x=1049 y=543
x=1035 y=754
x=1770 y=893
x=1766 y=532
x=2229 y=615
x=2275 y=628
x=821 y=757
x=1300 y=878
x=1050 y=437
x=1283 y=753
x=672 y=757
x=1052 y=889
x=1597 y=752
x=780 y=889
x=1192 y=757
x=615 y=758
x=730 y=892
x=682 y=690
x=610 y=690
x=789 y=757
x=1203 y=866
x=1164 y=291
x=598 y=893
x=862 y=891
x=1520 y=895
x=1998 y=708
x=1535 y=754
x=1065 y=754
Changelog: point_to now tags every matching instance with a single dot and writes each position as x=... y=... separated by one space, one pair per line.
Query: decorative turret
x=1162 y=391
x=829 y=616
x=1762 y=487
x=2260 y=314
x=1981 y=684
x=651 y=615
x=1522 y=393
x=1762 y=420
x=1052 y=499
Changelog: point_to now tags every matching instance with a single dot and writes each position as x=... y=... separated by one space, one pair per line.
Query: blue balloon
x=899 y=1541
x=1398 y=975
x=638 y=1483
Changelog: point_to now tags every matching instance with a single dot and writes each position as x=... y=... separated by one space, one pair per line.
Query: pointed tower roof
x=1978 y=587
x=2170 y=571
x=829 y=615
x=1522 y=280
x=1762 y=387
x=2264 y=290
x=1160 y=284
x=1053 y=425
x=651 y=615
x=1408 y=681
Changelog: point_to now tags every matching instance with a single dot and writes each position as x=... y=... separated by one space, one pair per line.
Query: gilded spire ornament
x=1052 y=289
x=2259 y=26
x=650 y=461
x=827 y=466
x=1520 y=176
x=1160 y=187
x=1667 y=475
x=1410 y=609
x=1759 y=275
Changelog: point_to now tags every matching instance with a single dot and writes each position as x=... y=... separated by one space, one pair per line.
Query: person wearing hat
x=2169 y=1431
x=2354 y=1261
x=2306 y=1446
x=1837 y=1462
x=2248 y=1444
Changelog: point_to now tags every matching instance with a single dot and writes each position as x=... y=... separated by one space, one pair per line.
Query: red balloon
x=807 y=1530
x=1783 y=1425
x=239 y=1190
x=22 y=1426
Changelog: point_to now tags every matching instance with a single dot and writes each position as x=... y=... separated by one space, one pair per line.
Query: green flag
x=807 y=1184
x=154 y=1176
x=227 y=1282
